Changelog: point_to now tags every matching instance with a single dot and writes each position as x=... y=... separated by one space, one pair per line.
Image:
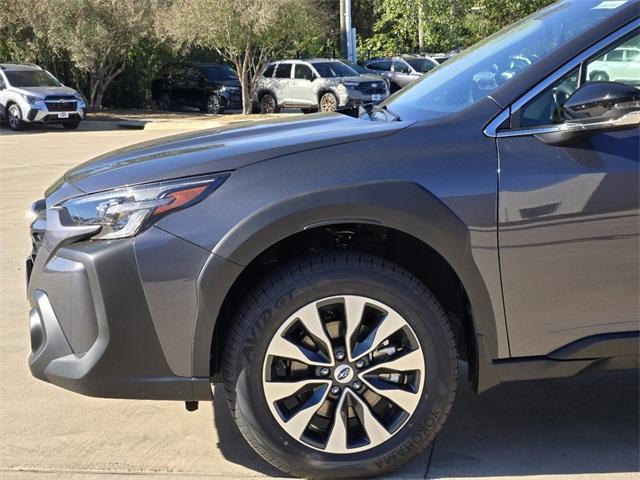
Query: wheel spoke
x=275 y=391
x=353 y=309
x=297 y=424
x=337 y=442
x=310 y=318
x=374 y=429
x=407 y=362
x=281 y=347
x=405 y=399
x=390 y=324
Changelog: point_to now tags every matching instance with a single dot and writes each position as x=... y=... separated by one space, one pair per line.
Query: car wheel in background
x=164 y=101
x=340 y=365
x=599 y=77
x=14 y=117
x=71 y=125
x=328 y=102
x=213 y=105
x=268 y=104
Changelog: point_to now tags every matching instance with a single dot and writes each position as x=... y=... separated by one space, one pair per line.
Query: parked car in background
x=401 y=71
x=440 y=57
x=619 y=65
x=211 y=87
x=316 y=84
x=363 y=71
x=29 y=94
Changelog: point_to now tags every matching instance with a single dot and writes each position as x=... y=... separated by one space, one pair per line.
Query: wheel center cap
x=343 y=373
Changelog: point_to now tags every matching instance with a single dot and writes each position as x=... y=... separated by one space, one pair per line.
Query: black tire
x=14 y=117
x=213 y=105
x=268 y=104
x=71 y=125
x=312 y=279
x=328 y=102
x=164 y=101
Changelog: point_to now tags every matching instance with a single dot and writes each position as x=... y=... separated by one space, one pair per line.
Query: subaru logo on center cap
x=343 y=374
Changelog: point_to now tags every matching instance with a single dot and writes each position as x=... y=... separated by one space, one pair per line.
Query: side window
x=546 y=108
x=2 y=84
x=383 y=66
x=283 y=70
x=401 y=67
x=303 y=72
x=633 y=55
x=608 y=66
x=269 y=71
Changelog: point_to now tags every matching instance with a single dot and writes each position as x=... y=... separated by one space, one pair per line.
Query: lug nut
x=335 y=390
x=340 y=355
x=324 y=371
x=356 y=385
x=360 y=364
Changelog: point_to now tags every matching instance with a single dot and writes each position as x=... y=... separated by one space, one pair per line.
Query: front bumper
x=39 y=112
x=354 y=98
x=103 y=316
x=231 y=99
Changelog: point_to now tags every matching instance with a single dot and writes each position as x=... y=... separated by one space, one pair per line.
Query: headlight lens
x=79 y=97
x=31 y=99
x=350 y=85
x=125 y=212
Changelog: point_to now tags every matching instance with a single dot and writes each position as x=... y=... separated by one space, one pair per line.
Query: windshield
x=31 y=78
x=357 y=68
x=219 y=72
x=421 y=65
x=476 y=72
x=334 y=69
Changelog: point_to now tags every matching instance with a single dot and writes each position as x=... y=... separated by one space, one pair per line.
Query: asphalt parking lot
x=582 y=428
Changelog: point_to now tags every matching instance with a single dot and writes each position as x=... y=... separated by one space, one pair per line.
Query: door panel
x=569 y=226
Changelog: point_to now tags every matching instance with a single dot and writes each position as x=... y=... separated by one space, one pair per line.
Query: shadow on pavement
x=582 y=425
x=85 y=126
x=233 y=446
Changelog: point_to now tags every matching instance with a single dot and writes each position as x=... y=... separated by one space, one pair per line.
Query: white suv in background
x=29 y=94
x=619 y=65
x=316 y=84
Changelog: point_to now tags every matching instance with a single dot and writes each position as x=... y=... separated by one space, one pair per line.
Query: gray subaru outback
x=316 y=84
x=332 y=271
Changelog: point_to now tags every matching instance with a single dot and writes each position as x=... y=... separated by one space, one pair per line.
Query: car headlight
x=31 y=100
x=79 y=97
x=125 y=212
x=350 y=85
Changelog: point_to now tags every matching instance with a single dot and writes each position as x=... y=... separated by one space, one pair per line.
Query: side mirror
x=596 y=107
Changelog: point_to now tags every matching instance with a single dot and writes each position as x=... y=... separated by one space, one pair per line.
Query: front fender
x=401 y=205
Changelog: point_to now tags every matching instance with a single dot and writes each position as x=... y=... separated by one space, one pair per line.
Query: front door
x=569 y=226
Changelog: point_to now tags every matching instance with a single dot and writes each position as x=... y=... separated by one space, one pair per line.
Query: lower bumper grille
x=61 y=106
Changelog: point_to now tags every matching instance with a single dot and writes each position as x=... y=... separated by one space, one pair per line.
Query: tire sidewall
x=19 y=125
x=281 y=302
x=335 y=98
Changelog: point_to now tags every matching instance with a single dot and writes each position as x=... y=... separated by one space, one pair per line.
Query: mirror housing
x=596 y=107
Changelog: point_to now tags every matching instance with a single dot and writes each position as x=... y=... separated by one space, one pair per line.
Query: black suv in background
x=211 y=87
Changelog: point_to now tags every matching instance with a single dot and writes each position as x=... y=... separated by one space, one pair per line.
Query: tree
x=244 y=32
x=98 y=36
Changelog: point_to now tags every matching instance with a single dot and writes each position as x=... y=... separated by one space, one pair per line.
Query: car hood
x=44 y=91
x=223 y=149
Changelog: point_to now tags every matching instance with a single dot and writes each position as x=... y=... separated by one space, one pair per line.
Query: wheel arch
x=404 y=210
